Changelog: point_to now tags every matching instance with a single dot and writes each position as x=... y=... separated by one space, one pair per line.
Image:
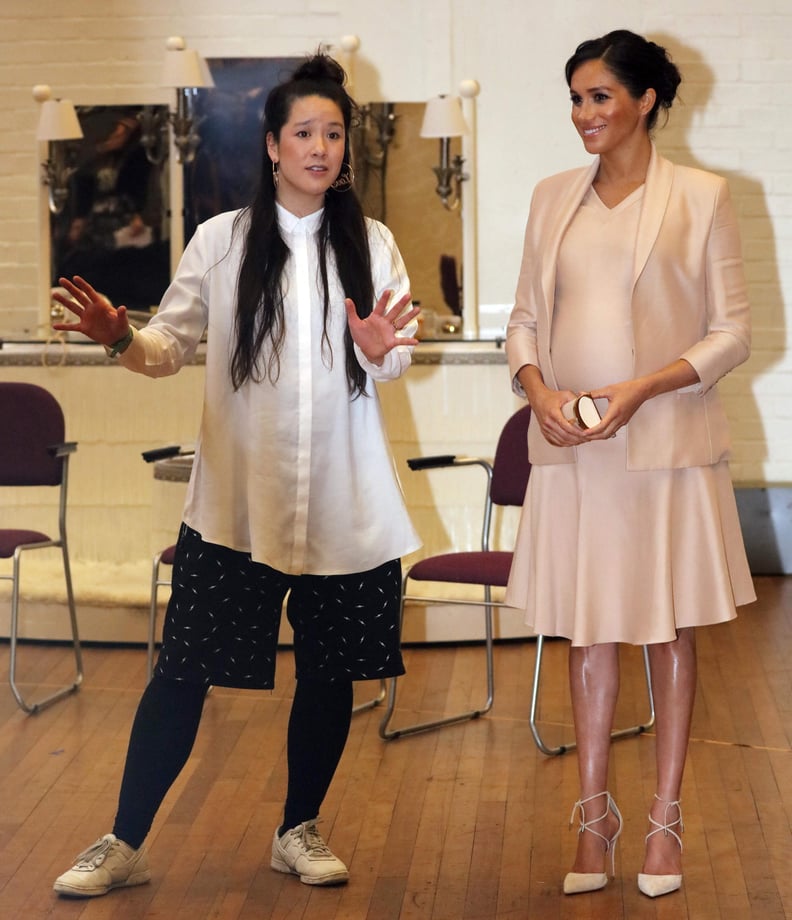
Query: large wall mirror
x=227 y=164
x=114 y=228
x=393 y=169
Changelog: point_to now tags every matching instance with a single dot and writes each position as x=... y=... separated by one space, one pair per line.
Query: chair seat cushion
x=11 y=539
x=476 y=568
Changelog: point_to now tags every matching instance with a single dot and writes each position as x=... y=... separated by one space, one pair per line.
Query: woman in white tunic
x=293 y=492
x=631 y=290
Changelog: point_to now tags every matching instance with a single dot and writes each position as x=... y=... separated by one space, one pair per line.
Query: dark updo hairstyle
x=638 y=64
x=260 y=322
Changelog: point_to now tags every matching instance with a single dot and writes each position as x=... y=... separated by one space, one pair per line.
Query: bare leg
x=594 y=684
x=674 y=675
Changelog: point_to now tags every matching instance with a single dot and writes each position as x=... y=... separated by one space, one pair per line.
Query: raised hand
x=96 y=316
x=376 y=334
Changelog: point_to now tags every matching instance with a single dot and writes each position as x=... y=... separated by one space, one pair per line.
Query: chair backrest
x=31 y=421
x=449 y=283
x=511 y=467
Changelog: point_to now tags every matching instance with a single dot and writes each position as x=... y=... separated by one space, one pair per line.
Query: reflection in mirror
x=114 y=228
x=371 y=142
x=394 y=178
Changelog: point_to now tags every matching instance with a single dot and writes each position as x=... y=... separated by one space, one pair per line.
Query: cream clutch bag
x=582 y=411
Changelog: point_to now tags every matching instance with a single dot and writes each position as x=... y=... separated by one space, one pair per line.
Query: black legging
x=164 y=732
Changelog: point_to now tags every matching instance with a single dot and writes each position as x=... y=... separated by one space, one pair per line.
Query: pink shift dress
x=617 y=555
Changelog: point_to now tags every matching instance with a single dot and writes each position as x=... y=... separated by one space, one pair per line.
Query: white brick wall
x=734 y=120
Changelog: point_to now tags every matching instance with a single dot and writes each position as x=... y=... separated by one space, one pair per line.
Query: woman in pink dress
x=631 y=290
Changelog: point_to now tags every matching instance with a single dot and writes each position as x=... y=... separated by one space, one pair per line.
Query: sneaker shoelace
x=94 y=855
x=313 y=842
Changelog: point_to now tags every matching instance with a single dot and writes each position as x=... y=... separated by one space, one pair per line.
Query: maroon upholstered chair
x=33 y=453
x=507 y=478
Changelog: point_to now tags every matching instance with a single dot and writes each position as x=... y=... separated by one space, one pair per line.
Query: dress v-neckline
x=628 y=200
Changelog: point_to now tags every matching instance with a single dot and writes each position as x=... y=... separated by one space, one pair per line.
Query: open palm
x=376 y=334
x=96 y=316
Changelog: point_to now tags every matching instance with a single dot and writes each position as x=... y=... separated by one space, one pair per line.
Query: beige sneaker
x=301 y=851
x=109 y=863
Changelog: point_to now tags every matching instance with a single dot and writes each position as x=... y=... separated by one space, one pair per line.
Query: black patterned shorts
x=221 y=625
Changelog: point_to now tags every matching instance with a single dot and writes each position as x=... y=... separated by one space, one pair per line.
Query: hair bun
x=668 y=76
x=319 y=68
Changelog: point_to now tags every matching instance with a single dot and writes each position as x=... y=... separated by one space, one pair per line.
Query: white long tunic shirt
x=297 y=472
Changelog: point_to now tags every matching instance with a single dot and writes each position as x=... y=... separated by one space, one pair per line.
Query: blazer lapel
x=659 y=178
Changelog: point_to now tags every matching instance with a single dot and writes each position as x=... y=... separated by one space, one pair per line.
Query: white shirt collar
x=290 y=223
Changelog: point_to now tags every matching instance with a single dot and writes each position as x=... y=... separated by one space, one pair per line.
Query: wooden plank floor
x=466 y=822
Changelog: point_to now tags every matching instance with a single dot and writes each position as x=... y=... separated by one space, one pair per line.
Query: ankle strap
x=666 y=826
x=585 y=824
x=676 y=803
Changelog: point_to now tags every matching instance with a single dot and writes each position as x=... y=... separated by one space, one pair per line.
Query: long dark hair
x=637 y=63
x=259 y=321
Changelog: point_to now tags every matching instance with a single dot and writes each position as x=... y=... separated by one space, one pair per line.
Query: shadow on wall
x=761 y=271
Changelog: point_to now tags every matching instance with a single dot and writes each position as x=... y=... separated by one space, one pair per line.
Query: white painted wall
x=734 y=119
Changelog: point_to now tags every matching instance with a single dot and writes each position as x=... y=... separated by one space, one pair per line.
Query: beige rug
x=95 y=583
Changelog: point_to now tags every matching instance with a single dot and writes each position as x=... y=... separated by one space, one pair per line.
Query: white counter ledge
x=56 y=352
x=460 y=351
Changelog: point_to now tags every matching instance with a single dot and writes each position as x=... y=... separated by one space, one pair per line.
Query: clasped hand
x=624 y=399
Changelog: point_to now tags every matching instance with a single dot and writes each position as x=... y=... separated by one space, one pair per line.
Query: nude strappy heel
x=581 y=882
x=653 y=886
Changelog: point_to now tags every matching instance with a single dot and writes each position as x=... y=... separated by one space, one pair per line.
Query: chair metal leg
x=375 y=701
x=389 y=734
x=152 y=626
x=619 y=733
x=32 y=707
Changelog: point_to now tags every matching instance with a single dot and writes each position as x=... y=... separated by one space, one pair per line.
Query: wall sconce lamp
x=185 y=71
x=58 y=124
x=443 y=119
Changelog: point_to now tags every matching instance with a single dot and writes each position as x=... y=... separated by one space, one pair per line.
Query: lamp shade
x=183 y=68
x=58 y=121
x=206 y=73
x=443 y=118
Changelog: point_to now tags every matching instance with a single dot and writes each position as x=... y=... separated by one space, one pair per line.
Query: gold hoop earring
x=345 y=180
x=275 y=174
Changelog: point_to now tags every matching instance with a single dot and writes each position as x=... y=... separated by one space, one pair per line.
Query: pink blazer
x=688 y=301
